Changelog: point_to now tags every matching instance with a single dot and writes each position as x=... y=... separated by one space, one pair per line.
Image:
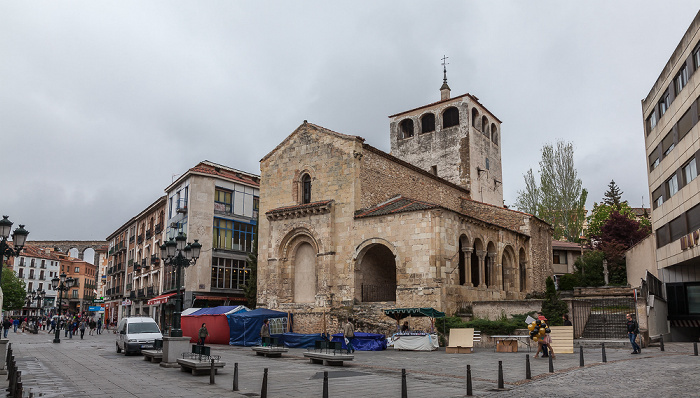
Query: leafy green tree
x=589 y=268
x=13 y=290
x=569 y=281
x=250 y=290
x=613 y=196
x=601 y=213
x=553 y=307
x=560 y=197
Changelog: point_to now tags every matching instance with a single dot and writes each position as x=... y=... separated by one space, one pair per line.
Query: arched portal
x=490 y=274
x=463 y=242
x=476 y=262
x=375 y=274
x=89 y=255
x=522 y=262
x=508 y=273
x=304 y=273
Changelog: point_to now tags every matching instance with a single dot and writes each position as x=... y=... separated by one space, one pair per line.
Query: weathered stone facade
x=351 y=230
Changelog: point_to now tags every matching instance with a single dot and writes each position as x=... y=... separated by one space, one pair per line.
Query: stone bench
x=154 y=356
x=327 y=358
x=270 y=352
x=197 y=367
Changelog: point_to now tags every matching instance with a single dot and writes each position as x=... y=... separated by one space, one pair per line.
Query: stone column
x=482 y=256
x=467 y=253
x=492 y=270
x=173 y=347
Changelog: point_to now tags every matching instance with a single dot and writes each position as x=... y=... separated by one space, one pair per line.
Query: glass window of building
x=673 y=185
x=690 y=171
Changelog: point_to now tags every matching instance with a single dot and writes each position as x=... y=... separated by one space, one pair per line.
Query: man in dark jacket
x=632 y=332
x=6 y=324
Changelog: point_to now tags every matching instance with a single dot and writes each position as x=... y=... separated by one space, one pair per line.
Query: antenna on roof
x=444 y=69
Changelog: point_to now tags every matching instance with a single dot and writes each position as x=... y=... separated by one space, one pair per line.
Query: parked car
x=136 y=334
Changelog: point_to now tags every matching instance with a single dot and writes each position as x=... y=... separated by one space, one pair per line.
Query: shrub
x=569 y=282
x=503 y=325
x=552 y=307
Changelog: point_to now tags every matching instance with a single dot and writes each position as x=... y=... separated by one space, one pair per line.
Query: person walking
x=203 y=333
x=82 y=328
x=15 y=324
x=349 y=334
x=6 y=324
x=93 y=326
x=632 y=332
x=99 y=325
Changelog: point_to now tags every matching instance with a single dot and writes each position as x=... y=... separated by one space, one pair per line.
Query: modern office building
x=672 y=141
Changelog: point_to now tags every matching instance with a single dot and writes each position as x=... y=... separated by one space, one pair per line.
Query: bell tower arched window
x=306 y=189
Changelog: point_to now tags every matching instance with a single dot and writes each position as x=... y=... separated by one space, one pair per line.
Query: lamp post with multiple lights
x=179 y=254
x=61 y=284
x=19 y=238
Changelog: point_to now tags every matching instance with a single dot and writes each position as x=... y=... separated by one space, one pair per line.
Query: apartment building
x=218 y=206
x=134 y=273
x=672 y=141
x=36 y=267
x=80 y=297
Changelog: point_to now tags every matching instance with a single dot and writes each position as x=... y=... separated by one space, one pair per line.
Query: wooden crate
x=507 y=346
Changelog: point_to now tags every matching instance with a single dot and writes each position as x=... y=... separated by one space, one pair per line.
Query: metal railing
x=601 y=318
x=371 y=293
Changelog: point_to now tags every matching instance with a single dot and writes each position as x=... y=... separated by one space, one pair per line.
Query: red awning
x=221 y=298
x=163 y=298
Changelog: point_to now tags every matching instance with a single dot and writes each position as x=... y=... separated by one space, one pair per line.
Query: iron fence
x=601 y=318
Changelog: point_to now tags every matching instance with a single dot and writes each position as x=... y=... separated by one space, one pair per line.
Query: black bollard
x=235 y=376
x=605 y=359
x=580 y=356
x=404 y=387
x=528 y=373
x=325 y=384
x=469 y=380
x=695 y=349
x=661 y=341
x=500 y=375
x=212 y=373
x=263 y=390
x=551 y=364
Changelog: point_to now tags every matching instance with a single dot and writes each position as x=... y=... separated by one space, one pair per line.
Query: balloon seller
x=539 y=333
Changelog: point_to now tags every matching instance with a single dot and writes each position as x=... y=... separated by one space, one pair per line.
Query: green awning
x=400 y=313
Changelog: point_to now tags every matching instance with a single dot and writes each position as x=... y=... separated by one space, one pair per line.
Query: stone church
x=348 y=228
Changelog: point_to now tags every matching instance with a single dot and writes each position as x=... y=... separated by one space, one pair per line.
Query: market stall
x=363 y=341
x=415 y=340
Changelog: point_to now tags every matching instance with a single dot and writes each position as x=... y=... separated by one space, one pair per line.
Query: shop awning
x=221 y=298
x=163 y=298
x=400 y=313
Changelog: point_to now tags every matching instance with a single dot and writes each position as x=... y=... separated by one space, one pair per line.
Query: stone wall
x=494 y=310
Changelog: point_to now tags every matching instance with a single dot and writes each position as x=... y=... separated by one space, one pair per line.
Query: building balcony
x=42 y=278
x=158 y=229
x=149 y=234
x=131 y=239
x=155 y=260
x=42 y=266
x=31 y=276
x=128 y=286
x=139 y=239
x=140 y=293
x=132 y=294
x=151 y=291
x=130 y=263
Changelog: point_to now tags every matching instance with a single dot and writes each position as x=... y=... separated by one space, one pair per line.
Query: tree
x=251 y=287
x=13 y=290
x=589 y=268
x=560 y=198
x=618 y=234
x=613 y=196
x=553 y=307
x=601 y=213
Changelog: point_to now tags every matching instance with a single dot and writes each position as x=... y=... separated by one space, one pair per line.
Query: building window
x=664 y=104
x=306 y=189
x=696 y=59
x=222 y=201
x=651 y=121
x=559 y=257
x=450 y=117
x=21 y=273
x=76 y=294
x=690 y=171
x=487 y=164
x=494 y=134
x=655 y=164
x=681 y=79
x=672 y=185
x=406 y=127
x=233 y=235
x=77 y=270
x=433 y=170
x=427 y=123
x=227 y=273
x=475 y=118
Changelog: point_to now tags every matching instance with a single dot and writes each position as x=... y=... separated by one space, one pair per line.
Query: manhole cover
x=341 y=373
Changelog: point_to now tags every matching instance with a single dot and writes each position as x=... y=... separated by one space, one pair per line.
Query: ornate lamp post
x=179 y=254
x=41 y=296
x=62 y=285
x=31 y=296
x=19 y=238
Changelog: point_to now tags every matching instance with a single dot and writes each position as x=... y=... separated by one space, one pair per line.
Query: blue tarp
x=297 y=340
x=222 y=309
x=364 y=341
x=245 y=326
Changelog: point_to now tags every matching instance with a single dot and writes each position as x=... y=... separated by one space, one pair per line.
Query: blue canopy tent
x=245 y=326
x=363 y=341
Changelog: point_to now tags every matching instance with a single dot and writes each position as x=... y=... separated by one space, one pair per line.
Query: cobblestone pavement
x=92 y=368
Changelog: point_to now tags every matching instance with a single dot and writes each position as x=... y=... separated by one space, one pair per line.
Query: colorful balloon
x=531 y=327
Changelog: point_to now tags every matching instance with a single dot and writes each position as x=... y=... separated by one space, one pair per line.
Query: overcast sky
x=103 y=103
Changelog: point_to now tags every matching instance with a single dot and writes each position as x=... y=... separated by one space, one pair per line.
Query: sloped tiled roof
x=398 y=204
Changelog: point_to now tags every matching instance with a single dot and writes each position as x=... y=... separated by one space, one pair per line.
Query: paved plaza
x=92 y=368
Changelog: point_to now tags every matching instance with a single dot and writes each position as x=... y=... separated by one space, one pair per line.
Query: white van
x=136 y=334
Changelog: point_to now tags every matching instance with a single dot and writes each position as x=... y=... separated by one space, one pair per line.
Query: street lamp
x=61 y=284
x=179 y=254
x=19 y=238
x=31 y=295
x=41 y=296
